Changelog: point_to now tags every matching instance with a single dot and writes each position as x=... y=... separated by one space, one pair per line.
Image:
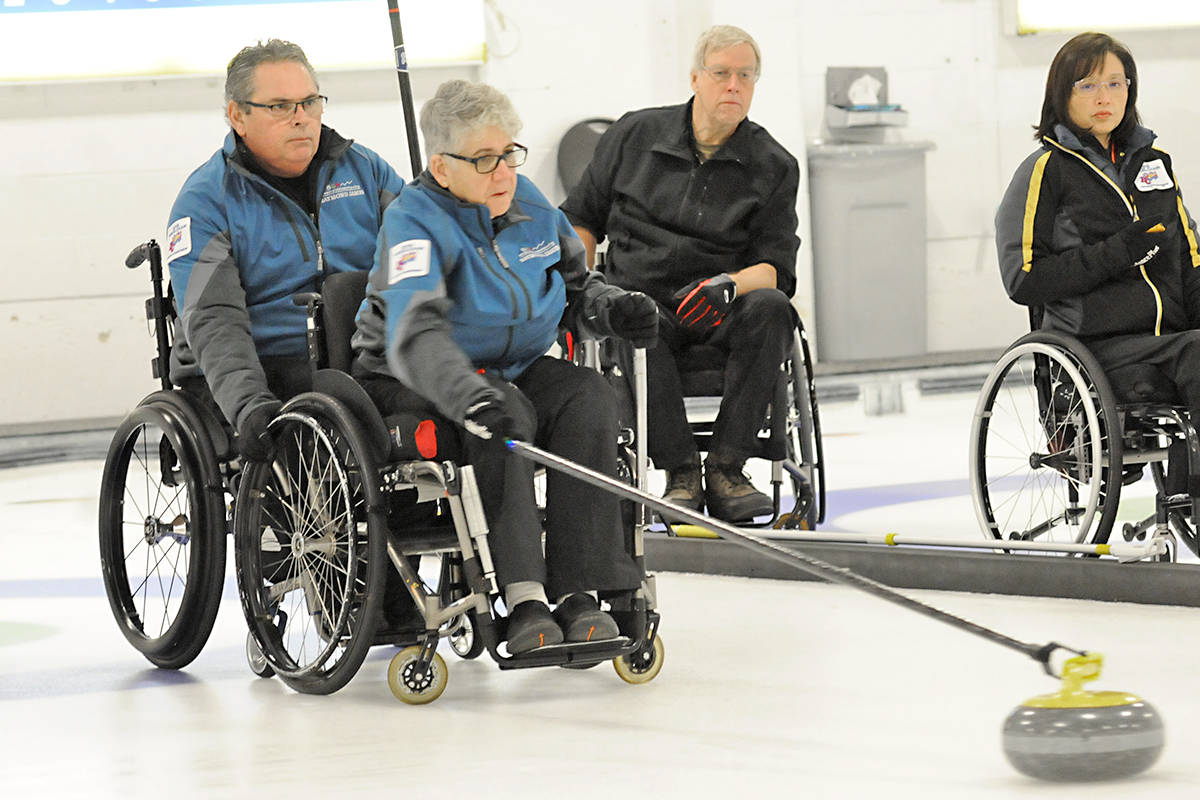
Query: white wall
x=91 y=169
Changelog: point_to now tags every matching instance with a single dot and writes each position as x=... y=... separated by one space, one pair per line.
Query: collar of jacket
x=332 y=146
x=473 y=216
x=1141 y=137
x=736 y=147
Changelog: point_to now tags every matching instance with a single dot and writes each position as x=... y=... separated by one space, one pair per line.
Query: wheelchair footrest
x=569 y=653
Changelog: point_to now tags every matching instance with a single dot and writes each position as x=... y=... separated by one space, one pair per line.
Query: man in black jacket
x=699 y=206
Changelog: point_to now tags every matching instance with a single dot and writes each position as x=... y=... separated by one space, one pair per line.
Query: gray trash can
x=868 y=240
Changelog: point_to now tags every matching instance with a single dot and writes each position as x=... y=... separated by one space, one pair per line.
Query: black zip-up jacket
x=1057 y=237
x=671 y=219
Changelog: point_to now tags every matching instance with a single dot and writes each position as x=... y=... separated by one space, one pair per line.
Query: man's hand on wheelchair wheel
x=704 y=303
x=488 y=419
x=634 y=316
x=254 y=440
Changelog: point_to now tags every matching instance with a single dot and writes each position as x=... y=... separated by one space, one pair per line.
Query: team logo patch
x=1153 y=175
x=408 y=260
x=541 y=250
x=179 y=238
x=340 y=190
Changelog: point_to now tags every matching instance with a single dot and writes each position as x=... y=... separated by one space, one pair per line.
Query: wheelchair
x=164 y=506
x=790 y=436
x=317 y=530
x=1054 y=438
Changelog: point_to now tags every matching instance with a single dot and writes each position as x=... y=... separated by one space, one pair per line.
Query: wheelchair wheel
x=309 y=547
x=413 y=685
x=642 y=666
x=1044 y=441
x=162 y=537
x=804 y=448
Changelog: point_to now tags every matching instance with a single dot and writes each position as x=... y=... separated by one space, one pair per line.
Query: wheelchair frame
x=1059 y=476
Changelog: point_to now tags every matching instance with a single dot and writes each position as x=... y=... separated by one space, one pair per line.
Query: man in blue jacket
x=283 y=203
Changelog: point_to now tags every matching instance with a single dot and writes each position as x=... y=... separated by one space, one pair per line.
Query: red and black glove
x=704 y=303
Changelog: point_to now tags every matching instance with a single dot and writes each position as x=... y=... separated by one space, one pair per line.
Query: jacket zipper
x=524 y=288
x=1129 y=205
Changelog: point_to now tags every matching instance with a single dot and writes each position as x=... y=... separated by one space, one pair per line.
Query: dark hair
x=1077 y=59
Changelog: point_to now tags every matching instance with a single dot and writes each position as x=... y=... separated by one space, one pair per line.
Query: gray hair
x=239 y=75
x=720 y=37
x=459 y=108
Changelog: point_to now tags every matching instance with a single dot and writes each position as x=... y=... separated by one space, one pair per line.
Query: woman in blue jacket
x=474 y=273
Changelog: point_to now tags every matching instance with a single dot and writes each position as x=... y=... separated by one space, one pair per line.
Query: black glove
x=633 y=316
x=254 y=440
x=1144 y=238
x=704 y=303
x=489 y=420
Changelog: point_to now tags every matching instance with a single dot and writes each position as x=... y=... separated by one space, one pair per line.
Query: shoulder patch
x=1152 y=176
x=179 y=238
x=409 y=259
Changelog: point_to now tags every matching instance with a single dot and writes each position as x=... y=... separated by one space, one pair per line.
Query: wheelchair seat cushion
x=1142 y=383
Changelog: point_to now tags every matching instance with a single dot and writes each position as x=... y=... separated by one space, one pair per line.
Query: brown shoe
x=730 y=495
x=683 y=487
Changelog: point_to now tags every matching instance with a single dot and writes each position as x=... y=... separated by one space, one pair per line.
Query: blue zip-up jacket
x=1058 y=242
x=238 y=249
x=454 y=291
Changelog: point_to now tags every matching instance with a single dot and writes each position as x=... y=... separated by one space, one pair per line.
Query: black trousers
x=757 y=335
x=569 y=411
x=1176 y=355
x=286 y=378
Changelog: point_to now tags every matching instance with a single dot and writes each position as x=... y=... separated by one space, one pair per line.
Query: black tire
x=162 y=536
x=804 y=446
x=310 y=542
x=1043 y=437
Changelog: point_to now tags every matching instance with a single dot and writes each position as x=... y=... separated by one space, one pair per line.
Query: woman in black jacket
x=1093 y=228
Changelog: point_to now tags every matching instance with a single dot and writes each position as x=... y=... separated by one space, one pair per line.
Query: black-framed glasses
x=487 y=164
x=1088 y=86
x=313 y=106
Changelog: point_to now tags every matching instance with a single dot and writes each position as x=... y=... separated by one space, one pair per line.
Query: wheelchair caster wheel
x=416 y=686
x=465 y=643
x=256 y=659
x=642 y=666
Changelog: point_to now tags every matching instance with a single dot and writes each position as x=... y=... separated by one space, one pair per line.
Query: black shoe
x=730 y=495
x=581 y=620
x=683 y=487
x=530 y=626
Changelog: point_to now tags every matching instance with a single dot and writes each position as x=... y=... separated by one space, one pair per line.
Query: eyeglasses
x=488 y=164
x=1087 y=86
x=721 y=74
x=313 y=106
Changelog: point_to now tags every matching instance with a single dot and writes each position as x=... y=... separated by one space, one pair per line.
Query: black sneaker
x=530 y=626
x=683 y=487
x=730 y=495
x=581 y=620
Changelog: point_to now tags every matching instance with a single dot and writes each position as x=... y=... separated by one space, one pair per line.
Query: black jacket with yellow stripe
x=1058 y=244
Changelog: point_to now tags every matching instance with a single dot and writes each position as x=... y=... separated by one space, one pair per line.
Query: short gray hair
x=721 y=37
x=459 y=108
x=239 y=75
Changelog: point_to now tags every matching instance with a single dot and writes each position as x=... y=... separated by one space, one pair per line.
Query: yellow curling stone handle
x=1076 y=671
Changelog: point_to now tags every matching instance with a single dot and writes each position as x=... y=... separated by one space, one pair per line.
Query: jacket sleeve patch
x=179 y=238
x=408 y=259
x=1153 y=175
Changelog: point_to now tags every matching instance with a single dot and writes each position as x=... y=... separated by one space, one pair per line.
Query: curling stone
x=1079 y=735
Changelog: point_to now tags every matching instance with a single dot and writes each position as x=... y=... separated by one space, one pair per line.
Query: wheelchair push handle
x=140 y=254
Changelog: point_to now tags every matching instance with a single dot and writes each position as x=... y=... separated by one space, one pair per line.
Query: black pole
x=805 y=563
x=406 y=99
